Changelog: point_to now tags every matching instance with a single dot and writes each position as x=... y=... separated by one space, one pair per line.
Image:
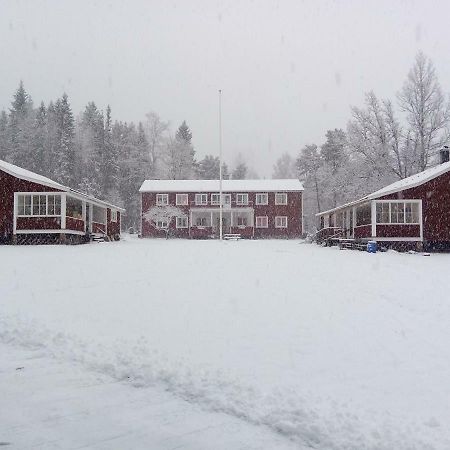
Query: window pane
x=35 y=205
x=21 y=205
x=42 y=205
x=401 y=212
x=415 y=212
x=57 y=205
x=394 y=213
x=385 y=213
x=27 y=211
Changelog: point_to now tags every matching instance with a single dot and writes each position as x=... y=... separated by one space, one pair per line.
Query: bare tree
x=161 y=217
x=428 y=111
x=375 y=134
x=156 y=132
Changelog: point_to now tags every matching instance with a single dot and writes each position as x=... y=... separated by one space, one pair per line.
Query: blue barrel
x=372 y=246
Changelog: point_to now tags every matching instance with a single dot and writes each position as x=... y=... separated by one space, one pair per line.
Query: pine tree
x=4 y=141
x=184 y=133
x=20 y=124
x=64 y=151
x=284 y=167
x=39 y=140
x=240 y=171
x=209 y=168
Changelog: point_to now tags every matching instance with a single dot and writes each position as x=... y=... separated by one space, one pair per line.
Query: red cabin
x=410 y=213
x=250 y=208
x=35 y=209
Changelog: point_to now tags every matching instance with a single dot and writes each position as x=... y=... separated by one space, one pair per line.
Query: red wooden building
x=35 y=209
x=410 y=213
x=251 y=208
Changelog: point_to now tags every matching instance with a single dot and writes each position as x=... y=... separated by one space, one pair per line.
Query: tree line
x=94 y=154
x=385 y=141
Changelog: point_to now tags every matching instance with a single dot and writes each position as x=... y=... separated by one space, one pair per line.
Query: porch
x=205 y=222
x=57 y=213
x=382 y=220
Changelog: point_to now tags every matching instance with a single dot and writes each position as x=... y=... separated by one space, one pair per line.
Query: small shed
x=36 y=209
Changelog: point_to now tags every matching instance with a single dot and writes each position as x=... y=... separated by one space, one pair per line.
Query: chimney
x=445 y=154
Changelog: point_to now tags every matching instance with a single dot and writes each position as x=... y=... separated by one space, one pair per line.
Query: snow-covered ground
x=322 y=348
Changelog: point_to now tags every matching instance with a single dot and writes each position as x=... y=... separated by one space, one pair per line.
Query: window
x=225 y=197
x=411 y=212
x=281 y=198
x=113 y=215
x=38 y=205
x=215 y=199
x=201 y=221
x=162 y=199
x=201 y=199
x=280 y=222
x=397 y=212
x=242 y=221
x=161 y=224
x=262 y=199
x=53 y=205
x=98 y=214
x=262 y=222
x=241 y=199
x=182 y=222
x=181 y=199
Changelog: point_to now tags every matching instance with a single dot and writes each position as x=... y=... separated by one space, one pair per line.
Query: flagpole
x=220 y=167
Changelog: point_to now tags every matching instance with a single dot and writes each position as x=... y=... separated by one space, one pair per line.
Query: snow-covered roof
x=227 y=185
x=27 y=175
x=401 y=185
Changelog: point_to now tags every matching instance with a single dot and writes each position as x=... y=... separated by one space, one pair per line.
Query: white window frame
x=113 y=215
x=162 y=199
x=404 y=202
x=258 y=198
x=277 y=201
x=201 y=199
x=182 y=222
x=242 y=199
x=281 y=219
x=31 y=195
x=182 y=199
x=162 y=224
x=261 y=218
x=215 y=199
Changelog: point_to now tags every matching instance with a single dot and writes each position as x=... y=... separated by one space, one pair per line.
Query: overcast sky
x=289 y=70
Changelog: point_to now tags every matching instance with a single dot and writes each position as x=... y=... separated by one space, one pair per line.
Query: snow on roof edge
x=32 y=177
x=398 y=186
x=290 y=184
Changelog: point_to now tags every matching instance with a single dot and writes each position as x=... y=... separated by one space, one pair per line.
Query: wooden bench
x=352 y=244
x=232 y=236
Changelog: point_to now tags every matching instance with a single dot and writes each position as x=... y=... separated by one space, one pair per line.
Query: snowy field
x=294 y=345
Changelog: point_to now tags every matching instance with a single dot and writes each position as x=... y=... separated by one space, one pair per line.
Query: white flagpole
x=220 y=167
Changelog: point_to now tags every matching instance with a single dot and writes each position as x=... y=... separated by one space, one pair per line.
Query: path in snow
x=50 y=405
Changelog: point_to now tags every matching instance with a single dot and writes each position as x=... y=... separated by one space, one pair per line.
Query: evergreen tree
x=209 y=168
x=284 y=167
x=64 y=151
x=20 y=125
x=4 y=141
x=240 y=171
x=39 y=140
x=180 y=155
x=184 y=133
